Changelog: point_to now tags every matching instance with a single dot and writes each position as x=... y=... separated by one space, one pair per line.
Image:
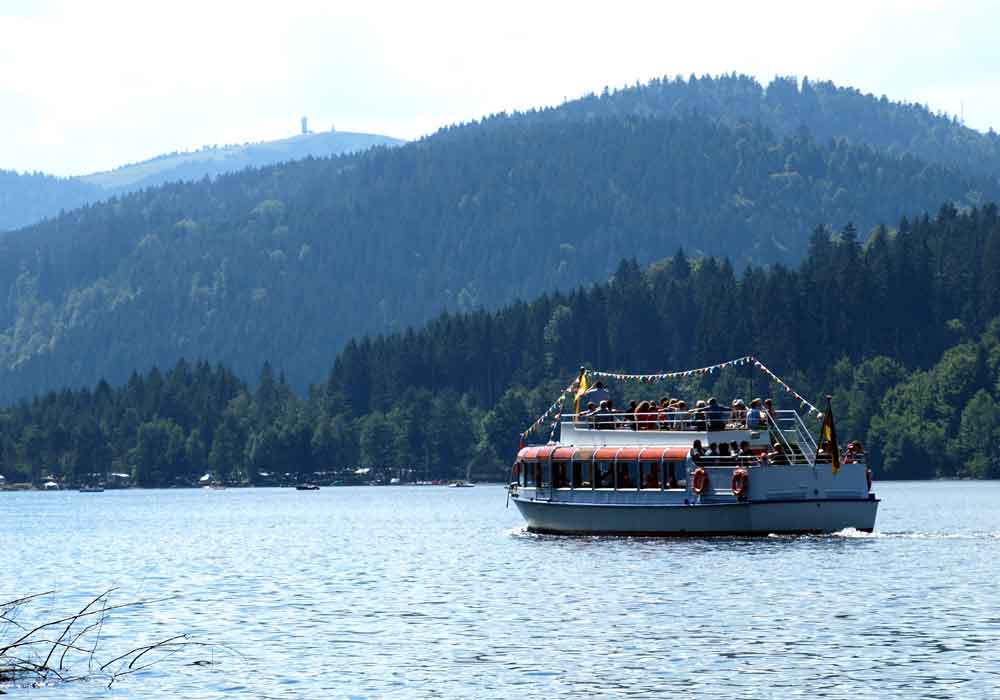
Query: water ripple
x=441 y=593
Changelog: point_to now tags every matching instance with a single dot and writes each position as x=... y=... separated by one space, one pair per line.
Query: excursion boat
x=645 y=474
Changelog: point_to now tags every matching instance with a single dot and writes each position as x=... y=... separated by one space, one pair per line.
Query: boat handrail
x=689 y=421
x=675 y=421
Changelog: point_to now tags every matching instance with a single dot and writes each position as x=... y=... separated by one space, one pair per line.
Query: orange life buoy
x=868 y=476
x=700 y=478
x=741 y=483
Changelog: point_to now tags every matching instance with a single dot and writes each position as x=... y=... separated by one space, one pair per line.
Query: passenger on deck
x=596 y=393
x=769 y=408
x=698 y=416
x=778 y=455
x=745 y=453
x=589 y=414
x=738 y=414
x=603 y=418
x=681 y=416
x=855 y=453
x=725 y=456
x=756 y=417
x=715 y=415
x=630 y=415
x=663 y=414
x=697 y=452
x=712 y=453
x=824 y=454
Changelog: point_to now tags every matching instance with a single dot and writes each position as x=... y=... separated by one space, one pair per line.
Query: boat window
x=649 y=475
x=604 y=478
x=626 y=475
x=536 y=471
x=675 y=473
x=560 y=476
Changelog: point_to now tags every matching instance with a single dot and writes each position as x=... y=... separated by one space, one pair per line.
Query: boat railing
x=679 y=421
x=788 y=430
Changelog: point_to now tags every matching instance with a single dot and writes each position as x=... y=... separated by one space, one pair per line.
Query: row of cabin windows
x=601 y=474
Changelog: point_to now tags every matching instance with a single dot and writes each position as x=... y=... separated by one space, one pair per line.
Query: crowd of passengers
x=731 y=454
x=673 y=414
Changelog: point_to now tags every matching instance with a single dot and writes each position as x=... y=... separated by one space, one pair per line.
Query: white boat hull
x=700 y=519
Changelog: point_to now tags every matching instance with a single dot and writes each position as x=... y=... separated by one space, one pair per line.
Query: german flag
x=829 y=434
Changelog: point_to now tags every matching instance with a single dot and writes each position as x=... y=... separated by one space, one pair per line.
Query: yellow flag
x=581 y=390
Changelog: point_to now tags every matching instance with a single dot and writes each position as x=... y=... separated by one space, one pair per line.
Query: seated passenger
x=778 y=455
x=603 y=418
x=712 y=454
x=697 y=452
x=625 y=477
x=855 y=453
x=725 y=456
x=588 y=414
x=823 y=454
x=630 y=417
x=651 y=480
x=746 y=455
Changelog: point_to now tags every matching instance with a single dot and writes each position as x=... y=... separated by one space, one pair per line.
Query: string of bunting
x=739 y=361
x=555 y=410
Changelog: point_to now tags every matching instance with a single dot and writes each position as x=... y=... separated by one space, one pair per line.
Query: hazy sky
x=86 y=86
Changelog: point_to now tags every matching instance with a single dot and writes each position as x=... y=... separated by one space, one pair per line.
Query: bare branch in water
x=31 y=655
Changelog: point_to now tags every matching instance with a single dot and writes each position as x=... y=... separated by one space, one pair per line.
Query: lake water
x=415 y=592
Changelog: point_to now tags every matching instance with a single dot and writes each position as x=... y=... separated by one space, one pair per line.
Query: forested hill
x=903 y=331
x=30 y=197
x=288 y=262
x=786 y=106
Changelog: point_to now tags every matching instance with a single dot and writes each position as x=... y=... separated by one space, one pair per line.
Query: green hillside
x=904 y=331
x=289 y=262
x=787 y=105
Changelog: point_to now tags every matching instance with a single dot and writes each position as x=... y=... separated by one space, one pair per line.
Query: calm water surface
x=406 y=592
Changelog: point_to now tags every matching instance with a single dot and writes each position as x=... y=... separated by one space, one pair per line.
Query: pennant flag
x=582 y=389
x=829 y=434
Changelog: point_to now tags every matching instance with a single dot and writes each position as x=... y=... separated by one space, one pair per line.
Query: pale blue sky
x=86 y=86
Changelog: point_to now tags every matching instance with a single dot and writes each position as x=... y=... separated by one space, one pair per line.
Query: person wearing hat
x=756 y=417
x=738 y=414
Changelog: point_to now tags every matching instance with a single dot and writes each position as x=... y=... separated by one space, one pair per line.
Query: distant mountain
x=288 y=262
x=28 y=198
x=217 y=160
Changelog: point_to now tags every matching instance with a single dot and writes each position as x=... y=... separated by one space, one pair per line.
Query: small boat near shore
x=307 y=487
x=648 y=474
x=91 y=489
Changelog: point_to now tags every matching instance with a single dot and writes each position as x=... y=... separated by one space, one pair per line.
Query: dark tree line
x=901 y=330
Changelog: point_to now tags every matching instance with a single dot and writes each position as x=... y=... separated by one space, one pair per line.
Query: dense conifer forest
x=904 y=330
x=288 y=262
